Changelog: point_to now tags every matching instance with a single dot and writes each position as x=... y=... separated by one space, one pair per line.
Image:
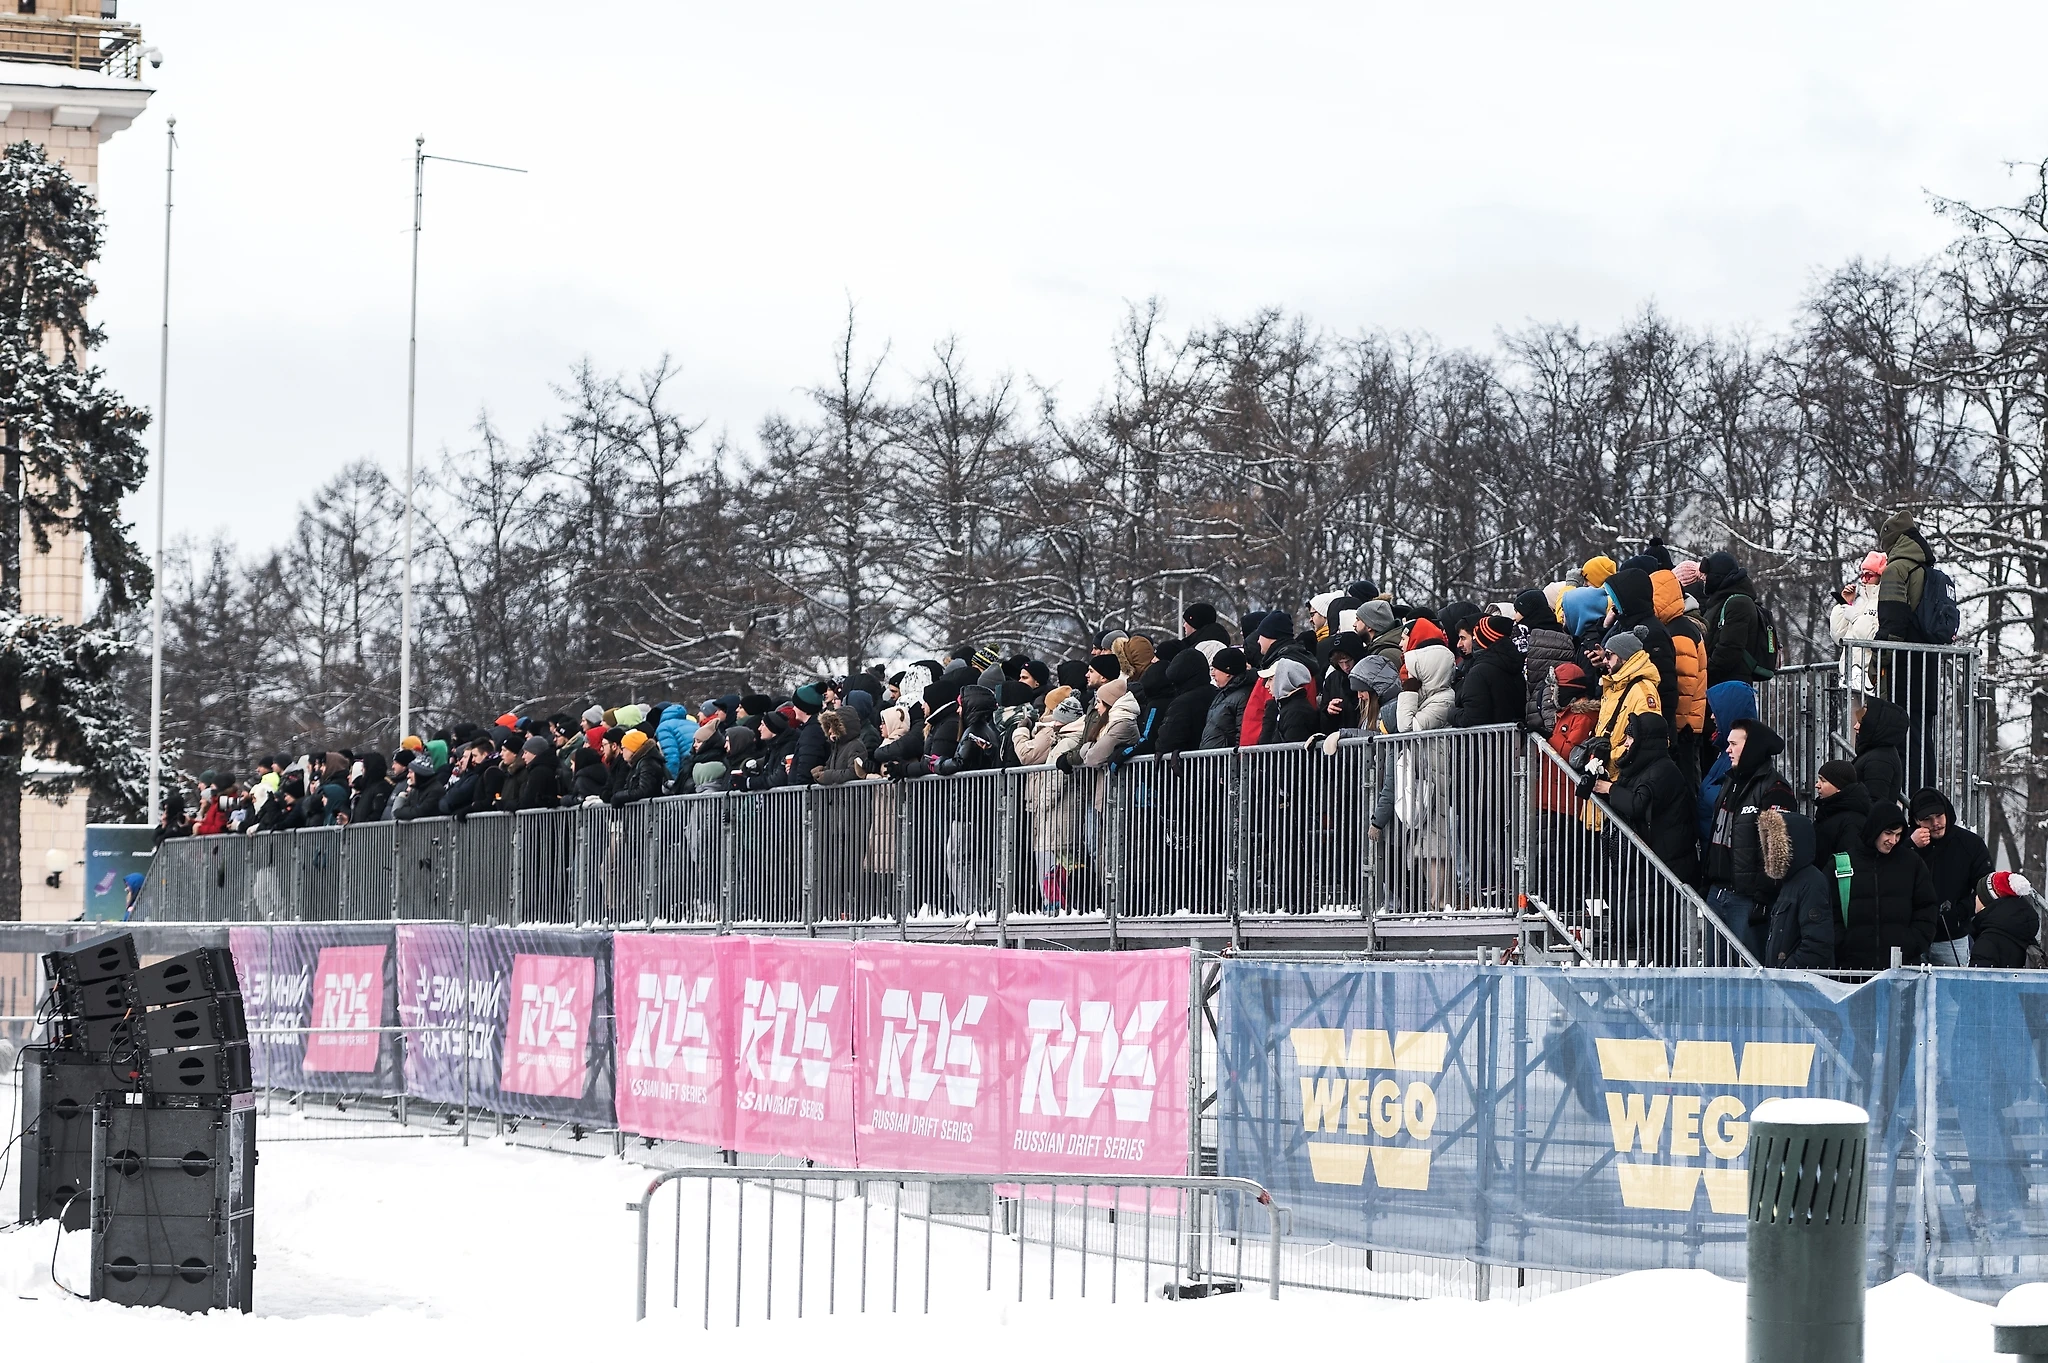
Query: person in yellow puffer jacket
x=1689 y=644
x=1628 y=689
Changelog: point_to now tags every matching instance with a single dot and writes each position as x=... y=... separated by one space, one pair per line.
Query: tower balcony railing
x=83 y=44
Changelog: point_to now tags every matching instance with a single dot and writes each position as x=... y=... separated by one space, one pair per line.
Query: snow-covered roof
x=49 y=74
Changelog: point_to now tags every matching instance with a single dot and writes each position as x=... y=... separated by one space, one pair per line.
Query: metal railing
x=76 y=41
x=843 y=1243
x=1814 y=708
x=1605 y=889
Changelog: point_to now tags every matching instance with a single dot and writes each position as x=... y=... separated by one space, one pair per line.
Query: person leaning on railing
x=1739 y=891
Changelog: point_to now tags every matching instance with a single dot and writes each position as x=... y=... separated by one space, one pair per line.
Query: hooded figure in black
x=1491 y=689
x=1891 y=898
x=1734 y=629
x=1738 y=891
x=1635 y=608
x=978 y=746
x=1652 y=796
x=1838 y=819
x=1956 y=858
x=1881 y=751
x=1203 y=623
x=372 y=791
x=2005 y=925
x=1549 y=647
x=1188 y=709
x=541 y=788
x=1805 y=914
x=1154 y=691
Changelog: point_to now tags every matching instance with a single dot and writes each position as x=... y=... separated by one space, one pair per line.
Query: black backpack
x=1938 y=616
x=1762 y=665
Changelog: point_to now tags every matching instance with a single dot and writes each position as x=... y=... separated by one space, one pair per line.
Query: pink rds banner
x=348 y=1005
x=674 y=1036
x=930 y=1047
x=548 y=1025
x=1095 y=1055
x=794 y=1075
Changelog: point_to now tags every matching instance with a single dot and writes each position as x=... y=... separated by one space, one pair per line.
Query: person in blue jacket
x=676 y=732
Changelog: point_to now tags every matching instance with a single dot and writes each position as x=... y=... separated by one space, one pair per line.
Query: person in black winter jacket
x=1891 y=898
x=1547 y=648
x=1491 y=689
x=1881 y=750
x=588 y=777
x=1958 y=861
x=978 y=746
x=1839 y=812
x=1635 y=608
x=428 y=785
x=1652 y=796
x=1804 y=915
x=1738 y=891
x=1289 y=716
x=1187 y=712
x=811 y=747
x=1734 y=627
x=1199 y=622
x=1232 y=678
x=2005 y=924
x=540 y=789
x=646 y=770
x=372 y=791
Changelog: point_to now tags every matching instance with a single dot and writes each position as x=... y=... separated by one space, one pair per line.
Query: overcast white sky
x=717 y=181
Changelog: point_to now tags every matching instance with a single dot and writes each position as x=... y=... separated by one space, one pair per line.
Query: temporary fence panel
x=483 y=868
x=1447 y=820
x=686 y=859
x=369 y=871
x=747 y=1244
x=317 y=870
x=952 y=854
x=1807 y=706
x=544 y=870
x=1175 y=834
x=1061 y=851
x=315 y=997
x=272 y=887
x=1302 y=828
x=424 y=870
x=854 y=830
x=1938 y=688
x=767 y=846
x=1606 y=888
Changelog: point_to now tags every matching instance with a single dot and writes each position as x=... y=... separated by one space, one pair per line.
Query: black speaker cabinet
x=211 y=1021
x=105 y=957
x=206 y=1070
x=210 y=970
x=111 y=998
x=173 y=1203
x=58 y=1090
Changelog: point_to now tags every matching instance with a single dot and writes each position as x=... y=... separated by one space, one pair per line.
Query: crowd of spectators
x=1640 y=673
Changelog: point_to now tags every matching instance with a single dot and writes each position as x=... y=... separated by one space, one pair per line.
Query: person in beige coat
x=1059 y=812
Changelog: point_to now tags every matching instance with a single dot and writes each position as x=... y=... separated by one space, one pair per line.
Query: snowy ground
x=399 y=1243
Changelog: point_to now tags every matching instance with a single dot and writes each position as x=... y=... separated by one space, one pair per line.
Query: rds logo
x=1395 y=1116
x=1702 y=1119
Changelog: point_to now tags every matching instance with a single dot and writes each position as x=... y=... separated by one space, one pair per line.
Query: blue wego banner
x=1579 y=1119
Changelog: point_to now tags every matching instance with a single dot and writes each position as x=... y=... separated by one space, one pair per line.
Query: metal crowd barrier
x=1814 y=708
x=854 y=1240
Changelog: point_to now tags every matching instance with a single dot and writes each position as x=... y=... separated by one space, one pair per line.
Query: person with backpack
x=1806 y=911
x=1742 y=640
x=1916 y=601
x=1957 y=859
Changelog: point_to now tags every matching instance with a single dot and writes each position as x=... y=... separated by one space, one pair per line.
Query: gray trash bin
x=1807 y=1163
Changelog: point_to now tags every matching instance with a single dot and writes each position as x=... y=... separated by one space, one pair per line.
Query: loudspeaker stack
x=139 y=1122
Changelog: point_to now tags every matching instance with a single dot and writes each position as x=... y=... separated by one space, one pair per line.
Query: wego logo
x=796 y=1032
x=547 y=1017
x=937 y=1043
x=1679 y=1109
x=1058 y=1043
x=1375 y=1105
x=668 y=1023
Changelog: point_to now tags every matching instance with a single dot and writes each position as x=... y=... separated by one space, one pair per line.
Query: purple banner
x=336 y=977
x=540 y=999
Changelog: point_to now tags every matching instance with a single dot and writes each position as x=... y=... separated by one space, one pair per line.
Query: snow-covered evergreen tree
x=70 y=450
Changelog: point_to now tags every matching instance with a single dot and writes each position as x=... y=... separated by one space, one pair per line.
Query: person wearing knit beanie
x=1375 y=617
x=1622 y=644
x=593 y=717
x=1365 y=589
x=2006 y=924
x=1598 y=569
x=1492 y=629
x=1277 y=627
x=1055 y=696
x=1035 y=674
x=1229 y=661
x=1839 y=774
x=1198 y=616
x=1072 y=673
x=1104 y=667
x=1248 y=625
